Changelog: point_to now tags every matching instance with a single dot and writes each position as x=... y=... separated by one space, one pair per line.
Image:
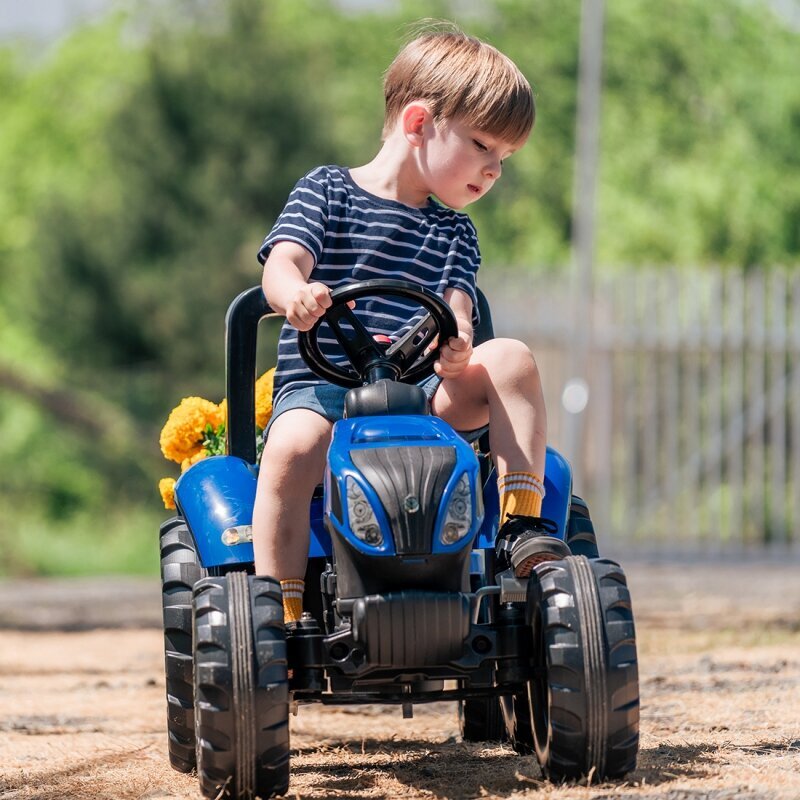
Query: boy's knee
x=297 y=437
x=509 y=357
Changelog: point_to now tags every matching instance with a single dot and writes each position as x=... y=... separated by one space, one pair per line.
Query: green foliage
x=699 y=134
x=118 y=541
x=214 y=440
x=143 y=159
x=203 y=151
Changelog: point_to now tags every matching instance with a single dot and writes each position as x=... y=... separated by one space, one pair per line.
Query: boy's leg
x=501 y=387
x=292 y=465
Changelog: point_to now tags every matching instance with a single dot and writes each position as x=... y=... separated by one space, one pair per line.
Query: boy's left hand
x=454 y=355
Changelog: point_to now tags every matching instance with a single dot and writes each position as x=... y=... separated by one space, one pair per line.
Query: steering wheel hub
x=410 y=359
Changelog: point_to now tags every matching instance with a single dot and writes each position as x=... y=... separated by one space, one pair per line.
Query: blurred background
x=651 y=262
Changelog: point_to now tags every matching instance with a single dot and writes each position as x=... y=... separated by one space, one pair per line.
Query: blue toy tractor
x=402 y=602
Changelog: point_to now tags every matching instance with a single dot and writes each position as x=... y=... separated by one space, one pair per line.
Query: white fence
x=692 y=432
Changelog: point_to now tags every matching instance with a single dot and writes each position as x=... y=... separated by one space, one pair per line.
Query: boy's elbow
x=271 y=286
x=266 y=287
x=270 y=282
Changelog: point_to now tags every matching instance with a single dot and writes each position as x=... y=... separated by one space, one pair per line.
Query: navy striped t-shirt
x=355 y=236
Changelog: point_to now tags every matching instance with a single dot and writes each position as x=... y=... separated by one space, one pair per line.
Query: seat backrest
x=484 y=329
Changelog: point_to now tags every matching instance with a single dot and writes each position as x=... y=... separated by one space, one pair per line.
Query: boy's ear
x=413 y=119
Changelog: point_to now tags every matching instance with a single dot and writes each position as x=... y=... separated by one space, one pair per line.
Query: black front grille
x=405 y=478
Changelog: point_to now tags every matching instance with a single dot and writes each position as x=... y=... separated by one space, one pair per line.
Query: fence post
x=735 y=343
x=794 y=339
x=777 y=373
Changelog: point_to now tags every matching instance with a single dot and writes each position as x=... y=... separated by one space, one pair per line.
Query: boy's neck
x=393 y=175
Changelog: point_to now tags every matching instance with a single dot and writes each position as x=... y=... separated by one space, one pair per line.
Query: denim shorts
x=327 y=400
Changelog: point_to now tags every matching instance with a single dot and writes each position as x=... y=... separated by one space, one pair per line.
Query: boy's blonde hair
x=460 y=77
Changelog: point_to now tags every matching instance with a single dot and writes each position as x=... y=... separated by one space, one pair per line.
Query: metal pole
x=576 y=390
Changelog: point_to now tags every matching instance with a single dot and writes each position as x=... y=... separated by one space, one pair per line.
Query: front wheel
x=241 y=687
x=583 y=694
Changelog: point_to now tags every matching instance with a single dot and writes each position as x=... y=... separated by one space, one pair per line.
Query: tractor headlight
x=458 y=517
x=361 y=515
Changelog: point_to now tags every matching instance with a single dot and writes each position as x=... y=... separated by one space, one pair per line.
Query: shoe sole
x=536 y=550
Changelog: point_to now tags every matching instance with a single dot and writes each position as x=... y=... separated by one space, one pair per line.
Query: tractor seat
x=386 y=397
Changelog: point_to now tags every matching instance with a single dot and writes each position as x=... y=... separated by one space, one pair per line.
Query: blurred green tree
x=700 y=128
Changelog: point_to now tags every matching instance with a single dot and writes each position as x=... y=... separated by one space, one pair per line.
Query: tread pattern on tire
x=180 y=570
x=592 y=671
x=594 y=668
x=241 y=687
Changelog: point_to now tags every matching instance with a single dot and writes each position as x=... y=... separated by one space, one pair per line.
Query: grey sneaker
x=523 y=542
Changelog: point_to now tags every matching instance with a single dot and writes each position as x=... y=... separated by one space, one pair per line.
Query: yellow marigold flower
x=223 y=411
x=182 y=435
x=264 y=398
x=166 y=486
x=188 y=462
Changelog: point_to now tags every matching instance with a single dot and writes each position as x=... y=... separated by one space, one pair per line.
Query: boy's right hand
x=307 y=305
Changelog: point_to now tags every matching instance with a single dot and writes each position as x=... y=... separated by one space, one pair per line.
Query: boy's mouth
x=473 y=188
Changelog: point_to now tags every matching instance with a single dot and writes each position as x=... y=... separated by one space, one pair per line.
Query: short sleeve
x=303 y=220
x=465 y=265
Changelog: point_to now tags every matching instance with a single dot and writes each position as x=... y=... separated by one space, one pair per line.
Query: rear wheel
x=580 y=536
x=241 y=687
x=517 y=719
x=180 y=570
x=481 y=720
x=584 y=692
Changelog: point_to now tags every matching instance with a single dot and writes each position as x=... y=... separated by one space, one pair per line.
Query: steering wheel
x=404 y=360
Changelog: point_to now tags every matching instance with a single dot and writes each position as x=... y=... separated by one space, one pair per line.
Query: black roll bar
x=241 y=331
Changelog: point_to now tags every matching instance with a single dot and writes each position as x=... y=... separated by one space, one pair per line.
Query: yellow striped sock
x=292 y=589
x=520 y=493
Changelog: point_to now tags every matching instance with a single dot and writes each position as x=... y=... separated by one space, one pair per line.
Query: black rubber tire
x=241 y=687
x=584 y=691
x=180 y=570
x=481 y=720
x=581 y=536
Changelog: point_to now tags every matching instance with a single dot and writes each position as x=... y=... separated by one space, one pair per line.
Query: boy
x=455 y=109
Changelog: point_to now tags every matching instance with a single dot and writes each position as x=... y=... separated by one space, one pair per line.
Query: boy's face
x=461 y=163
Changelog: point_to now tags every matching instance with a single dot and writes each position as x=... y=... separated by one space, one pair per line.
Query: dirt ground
x=82 y=711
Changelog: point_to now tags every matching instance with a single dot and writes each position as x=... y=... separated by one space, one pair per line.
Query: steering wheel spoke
x=357 y=343
x=408 y=349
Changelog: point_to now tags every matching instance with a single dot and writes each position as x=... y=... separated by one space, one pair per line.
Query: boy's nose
x=492 y=171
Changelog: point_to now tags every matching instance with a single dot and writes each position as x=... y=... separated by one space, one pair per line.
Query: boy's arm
x=456 y=352
x=285 y=284
x=461 y=303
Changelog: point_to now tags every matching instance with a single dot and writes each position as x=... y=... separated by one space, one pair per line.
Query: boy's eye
x=482 y=147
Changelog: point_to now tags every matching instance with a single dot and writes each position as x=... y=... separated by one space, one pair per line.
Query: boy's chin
x=457 y=204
